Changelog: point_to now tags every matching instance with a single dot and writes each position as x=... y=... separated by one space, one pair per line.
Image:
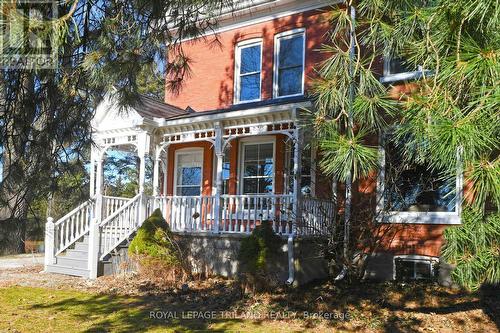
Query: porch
x=220 y=173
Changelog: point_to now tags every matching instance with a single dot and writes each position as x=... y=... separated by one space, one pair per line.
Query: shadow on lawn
x=173 y=311
x=376 y=307
x=390 y=307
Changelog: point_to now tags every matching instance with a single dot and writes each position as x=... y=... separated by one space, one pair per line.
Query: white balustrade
x=111 y=205
x=73 y=226
x=188 y=213
x=118 y=226
x=242 y=213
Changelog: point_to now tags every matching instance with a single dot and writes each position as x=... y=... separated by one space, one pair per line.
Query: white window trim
x=451 y=218
x=241 y=157
x=402 y=76
x=237 y=66
x=415 y=258
x=277 y=37
x=187 y=151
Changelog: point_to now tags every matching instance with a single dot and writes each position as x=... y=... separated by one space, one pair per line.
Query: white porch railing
x=242 y=213
x=112 y=204
x=188 y=213
x=118 y=226
x=72 y=226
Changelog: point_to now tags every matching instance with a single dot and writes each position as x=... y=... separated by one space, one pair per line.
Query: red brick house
x=230 y=151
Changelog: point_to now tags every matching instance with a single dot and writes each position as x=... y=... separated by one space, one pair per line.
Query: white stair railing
x=118 y=226
x=72 y=226
x=112 y=204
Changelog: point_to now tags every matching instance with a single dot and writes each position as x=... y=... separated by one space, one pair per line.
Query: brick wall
x=210 y=85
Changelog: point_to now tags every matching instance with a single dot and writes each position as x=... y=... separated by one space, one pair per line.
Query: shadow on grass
x=386 y=307
x=389 y=307
x=175 y=311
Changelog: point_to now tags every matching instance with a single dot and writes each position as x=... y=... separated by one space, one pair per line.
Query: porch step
x=79 y=263
x=60 y=269
x=78 y=254
x=81 y=246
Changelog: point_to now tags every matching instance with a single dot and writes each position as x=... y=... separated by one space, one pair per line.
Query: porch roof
x=151 y=108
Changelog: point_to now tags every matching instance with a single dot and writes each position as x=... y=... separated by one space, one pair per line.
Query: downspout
x=297 y=202
x=350 y=133
x=291 y=258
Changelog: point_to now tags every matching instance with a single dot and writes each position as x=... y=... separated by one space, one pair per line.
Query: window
x=226 y=172
x=248 y=71
x=397 y=69
x=416 y=193
x=306 y=173
x=258 y=168
x=189 y=171
x=289 y=60
x=414 y=268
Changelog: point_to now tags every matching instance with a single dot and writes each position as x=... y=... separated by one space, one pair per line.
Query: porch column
x=297 y=175
x=98 y=187
x=156 y=172
x=143 y=140
x=92 y=172
x=219 y=152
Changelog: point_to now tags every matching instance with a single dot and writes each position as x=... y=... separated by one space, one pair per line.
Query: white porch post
x=94 y=235
x=143 y=141
x=98 y=187
x=156 y=176
x=297 y=175
x=219 y=152
x=49 y=241
x=92 y=172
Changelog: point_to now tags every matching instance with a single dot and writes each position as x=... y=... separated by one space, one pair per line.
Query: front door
x=187 y=208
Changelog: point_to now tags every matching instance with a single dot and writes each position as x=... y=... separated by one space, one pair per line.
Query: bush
x=155 y=249
x=474 y=249
x=256 y=251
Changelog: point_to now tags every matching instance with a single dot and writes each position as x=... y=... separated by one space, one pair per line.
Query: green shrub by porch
x=154 y=241
x=258 y=248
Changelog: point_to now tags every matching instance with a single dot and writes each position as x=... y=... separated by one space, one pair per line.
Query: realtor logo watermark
x=250 y=315
x=28 y=36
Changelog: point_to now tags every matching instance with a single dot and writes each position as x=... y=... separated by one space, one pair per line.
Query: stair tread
x=70 y=267
x=71 y=258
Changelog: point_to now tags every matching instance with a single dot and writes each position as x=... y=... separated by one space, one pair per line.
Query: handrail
x=73 y=226
x=119 y=210
x=65 y=217
x=113 y=197
x=121 y=224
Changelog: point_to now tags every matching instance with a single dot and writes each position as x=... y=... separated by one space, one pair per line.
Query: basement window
x=407 y=268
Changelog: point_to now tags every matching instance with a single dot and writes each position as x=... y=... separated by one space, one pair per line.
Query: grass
x=371 y=308
x=24 y=309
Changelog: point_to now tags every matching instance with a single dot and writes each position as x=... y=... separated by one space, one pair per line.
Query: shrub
x=155 y=249
x=474 y=248
x=256 y=251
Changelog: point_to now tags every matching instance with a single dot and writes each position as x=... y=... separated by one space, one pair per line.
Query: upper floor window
x=248 y=71
x=289 y=60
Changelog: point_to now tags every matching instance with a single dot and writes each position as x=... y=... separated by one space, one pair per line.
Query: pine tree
x=452 y=116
